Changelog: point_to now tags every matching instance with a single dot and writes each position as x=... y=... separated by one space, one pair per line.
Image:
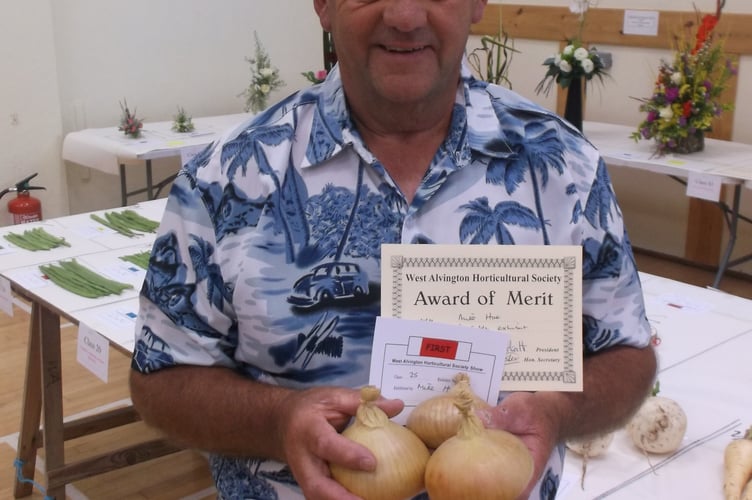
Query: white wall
x=161 y=54
x=30 y=123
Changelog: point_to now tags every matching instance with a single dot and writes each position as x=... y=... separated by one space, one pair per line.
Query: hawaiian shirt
x=267 y=259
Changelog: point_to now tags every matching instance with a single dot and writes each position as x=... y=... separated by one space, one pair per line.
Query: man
x=241 y=352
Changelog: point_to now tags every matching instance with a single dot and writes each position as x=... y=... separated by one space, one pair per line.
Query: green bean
x=140 y=259
x=61 y=279
x=115 y=287
x=21 y=242
x=116 y=220
x=137 y=221
x=105 y=222
x=54 y=241
x=81 y=280
x=126 y=222
x=36 y=239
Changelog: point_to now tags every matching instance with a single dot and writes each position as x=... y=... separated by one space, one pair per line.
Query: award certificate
x=533 y=293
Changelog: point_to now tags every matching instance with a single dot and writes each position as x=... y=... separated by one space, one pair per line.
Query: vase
x=573 y=106
x=691 y=144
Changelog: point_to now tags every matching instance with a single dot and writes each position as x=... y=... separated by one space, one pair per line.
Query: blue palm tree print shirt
x=267 y=258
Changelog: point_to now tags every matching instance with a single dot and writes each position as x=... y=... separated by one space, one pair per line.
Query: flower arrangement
x=315 y=77
x=182 y=123
x=575 y=62
x=491 y=61
x=264 y=79
x=129 y=124
x=686 y=97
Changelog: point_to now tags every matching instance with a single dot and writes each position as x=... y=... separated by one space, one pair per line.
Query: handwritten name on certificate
x=416 y=360
x=533 y=293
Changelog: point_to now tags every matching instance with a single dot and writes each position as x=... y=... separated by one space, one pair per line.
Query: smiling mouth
x=403 y=50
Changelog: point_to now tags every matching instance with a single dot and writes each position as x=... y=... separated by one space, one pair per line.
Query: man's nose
x=405 y=15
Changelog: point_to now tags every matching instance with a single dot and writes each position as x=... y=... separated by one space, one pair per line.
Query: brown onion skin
x=437 y=419
x=401 y=456
x=498 y=467
x=478 y=463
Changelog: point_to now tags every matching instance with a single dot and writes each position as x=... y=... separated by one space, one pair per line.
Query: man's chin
x=405 y=89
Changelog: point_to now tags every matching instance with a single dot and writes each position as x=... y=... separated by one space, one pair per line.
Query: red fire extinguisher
x=24 y=207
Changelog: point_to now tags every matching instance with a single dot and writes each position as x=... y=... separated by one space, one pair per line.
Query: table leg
x=31 y=409
x=149 y=182
x=733 y=224
x=52 y=395
x=123 y=187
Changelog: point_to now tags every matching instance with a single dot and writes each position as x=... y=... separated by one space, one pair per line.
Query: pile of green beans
x=141 y=259
x=128 y=222
x=81 y=280
x=36 y=239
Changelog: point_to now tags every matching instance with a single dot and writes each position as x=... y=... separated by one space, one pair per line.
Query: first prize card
x=416 y=360
x=532 y=293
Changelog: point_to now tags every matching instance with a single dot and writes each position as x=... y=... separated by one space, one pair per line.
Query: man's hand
x=220 y=411
x=522 y=414
x=309 y=426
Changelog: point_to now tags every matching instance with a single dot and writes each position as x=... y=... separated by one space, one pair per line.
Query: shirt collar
x=474 y=119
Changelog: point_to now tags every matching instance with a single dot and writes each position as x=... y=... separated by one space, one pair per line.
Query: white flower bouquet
x=264 y=79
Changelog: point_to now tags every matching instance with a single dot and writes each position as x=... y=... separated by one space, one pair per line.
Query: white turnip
x=659 y=425
x=589 y=447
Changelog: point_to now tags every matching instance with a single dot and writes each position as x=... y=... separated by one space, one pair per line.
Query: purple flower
x=671 y=94
x=730 y=66
x=652 y=115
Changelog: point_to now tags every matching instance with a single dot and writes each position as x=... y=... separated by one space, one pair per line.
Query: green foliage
x=491 y=61
x=264 y=79
x=182 y=122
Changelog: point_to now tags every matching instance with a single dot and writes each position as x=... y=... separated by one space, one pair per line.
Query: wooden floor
x=183 y=475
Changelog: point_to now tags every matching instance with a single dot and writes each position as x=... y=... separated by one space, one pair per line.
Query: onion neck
x=471 y=427
x=371 y=415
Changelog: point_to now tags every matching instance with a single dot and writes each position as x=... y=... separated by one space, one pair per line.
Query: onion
x=478 y=463
x=401 y=456
x=437 y=419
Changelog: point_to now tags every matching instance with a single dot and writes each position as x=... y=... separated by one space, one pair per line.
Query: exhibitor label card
x=533 y=293
x=416 y=360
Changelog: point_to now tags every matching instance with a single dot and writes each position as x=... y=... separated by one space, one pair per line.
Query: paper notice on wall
x=641 y=22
